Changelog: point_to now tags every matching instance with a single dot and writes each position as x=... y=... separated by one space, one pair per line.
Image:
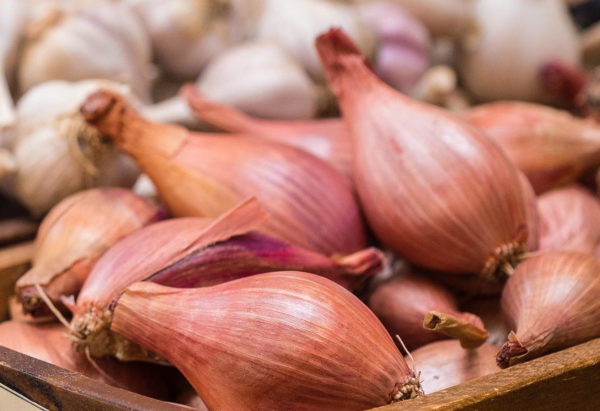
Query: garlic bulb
x=296 y=24
x=12 y=18
x=448 y=18
x=94 y=40
x=56 y=152
x=511 y=42
x=273 y=84
x=259 y=78
x=403 y=44
x=186 y=34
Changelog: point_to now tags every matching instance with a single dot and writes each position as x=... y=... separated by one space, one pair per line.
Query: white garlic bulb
x=186 y=34
x=56 y=152
x=296 y=24
x=93 y=40
x=511 y=42
x=12 y=19
x=258 y=77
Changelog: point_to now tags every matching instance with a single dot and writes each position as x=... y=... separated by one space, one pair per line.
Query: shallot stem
x=469 y=335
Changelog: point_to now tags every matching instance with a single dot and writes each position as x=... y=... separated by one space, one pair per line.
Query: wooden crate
x=565 y=380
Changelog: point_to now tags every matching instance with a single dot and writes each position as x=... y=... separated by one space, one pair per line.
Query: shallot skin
x=443 y=364
x=551 y=302
x=309 y=203
x=570 y=220
x=551 y=147
x=286 y=340
x=433 y=187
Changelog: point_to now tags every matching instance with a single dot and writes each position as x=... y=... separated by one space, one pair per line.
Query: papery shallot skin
x=309 y=203
x=327 y=139
x=286 y=340
x=433 y=187
x=74 y=235
x=551 y=147
x=444 y=364
x=570 y=220
x=551 y=302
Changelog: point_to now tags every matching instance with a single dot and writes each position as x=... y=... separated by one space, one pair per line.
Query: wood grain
x=14 y=261
x=59 y=389
x=565 y=380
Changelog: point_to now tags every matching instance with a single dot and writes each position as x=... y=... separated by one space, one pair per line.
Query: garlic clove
x=187 y=34
x=302 y=340
x=274 y=85
x=444 y=364
x=73 y=236
x=82 y=41
x=551 y=147
x=551 y=302
x=309 y=203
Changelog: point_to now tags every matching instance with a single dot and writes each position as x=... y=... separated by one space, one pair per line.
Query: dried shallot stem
x=469 y=334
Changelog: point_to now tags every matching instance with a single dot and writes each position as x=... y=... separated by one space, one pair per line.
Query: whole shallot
x=550 y=302
x=407 y=302
x=73 y=236
x=308 y=202
x=303 y=341
x=433 y=188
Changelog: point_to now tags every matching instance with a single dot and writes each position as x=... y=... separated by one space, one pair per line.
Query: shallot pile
x=303 y=204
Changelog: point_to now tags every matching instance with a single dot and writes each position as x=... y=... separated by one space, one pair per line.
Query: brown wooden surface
x=14 y=261
x=59 y=389
x=17 y=229
x=565 y=380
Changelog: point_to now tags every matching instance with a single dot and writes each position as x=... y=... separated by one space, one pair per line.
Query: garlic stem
x=469 y=335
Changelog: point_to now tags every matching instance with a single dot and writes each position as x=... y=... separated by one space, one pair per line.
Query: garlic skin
x=12 y=19
x=186 y=34
x=273 y=84
x=570 y=221
x=504 y=53
x=303 y=20
x=73 y=42
x=57 y=153
x=551 y=302
x=551 y=147
x=402 y=54
x=304 y=342
x=443 y=18
x=444 y=364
